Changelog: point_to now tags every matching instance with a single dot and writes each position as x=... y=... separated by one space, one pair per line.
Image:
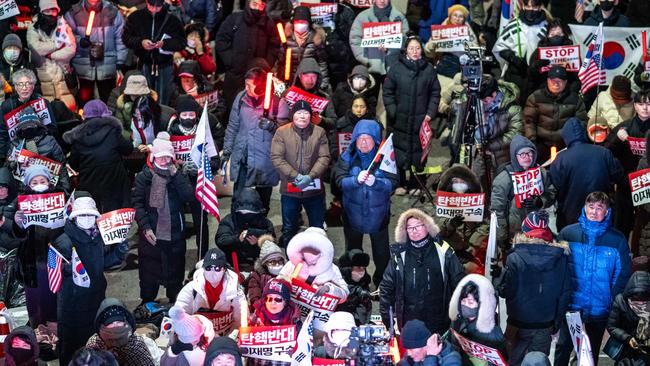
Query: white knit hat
x=162 y=147
x=188 y=328
x=48 y=4
x=84 y=206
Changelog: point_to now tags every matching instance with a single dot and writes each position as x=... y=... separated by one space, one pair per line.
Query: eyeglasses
x=24 y=85
x=414 y=228
x=214 y=268
x=276 y=299
x=525 y=153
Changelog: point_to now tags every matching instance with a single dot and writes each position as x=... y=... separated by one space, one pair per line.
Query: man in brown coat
x=300 y=153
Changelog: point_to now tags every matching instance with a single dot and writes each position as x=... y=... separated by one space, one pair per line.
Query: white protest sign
x=114 y=226
x=477 y=350
x=527 y=184
x=387 y=34
x=567 y=56
x=8 y=9
x=449 y=38
x=640 y=187
x=44 y=210
x=274 y=343
x=469 y=205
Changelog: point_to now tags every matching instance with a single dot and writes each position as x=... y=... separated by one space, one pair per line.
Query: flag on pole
x=305 y=342
x=491 y=251
x=54 y=266
x=68 y=205
x=79 y=274
x=580 y=10
x=387 y=152
x=591 y=72
x=202 y=150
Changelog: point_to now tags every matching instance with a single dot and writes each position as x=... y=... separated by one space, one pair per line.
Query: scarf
x=281 y=318
x=421 y=243
x=593 y=229
x=383 y=15
x=490 y=119
x=158 y=199
x=213 y=293
x=642 y=310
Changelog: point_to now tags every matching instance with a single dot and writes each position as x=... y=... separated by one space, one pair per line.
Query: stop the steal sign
x=567 y=56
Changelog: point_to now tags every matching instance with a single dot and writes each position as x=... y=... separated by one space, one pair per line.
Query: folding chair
x=433 y=173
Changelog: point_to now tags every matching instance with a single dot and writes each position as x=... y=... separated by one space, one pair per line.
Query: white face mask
x=11 y=54
x=40 y=188
x=300 y=27
x=357 y=276
x=340 y=337
x=274 y=270
x=359 y=83
x=190 y=43
x=459 y=187
x=160 y=167
x=213 y=276
x=86 y=222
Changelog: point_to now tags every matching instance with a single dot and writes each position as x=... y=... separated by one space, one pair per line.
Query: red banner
x=40 y=108
x=449 y=38
x=114 y=226
x=527 y=184
x=268 y=343
x=27 y=158
x=294 y=94
x=304 y=296
x=182 y=146
x=426 y=134
x=44 y=210
x=640 y=187
x=637 y=145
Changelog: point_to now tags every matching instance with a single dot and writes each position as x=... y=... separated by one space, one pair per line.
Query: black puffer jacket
x=7 y=209
x=97 y=150
x=314 y=47
x=344 y=93
x=411 y=92
x=339 y=54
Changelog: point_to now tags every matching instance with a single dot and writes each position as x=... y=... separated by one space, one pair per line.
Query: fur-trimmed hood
x=485 y=321
x=312 y=238
x=539 y=254
x=83 y=132
x=462 y=172
x=401 y=236
x=522 y=239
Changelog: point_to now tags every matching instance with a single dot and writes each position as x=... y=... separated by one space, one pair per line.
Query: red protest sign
x=477 y=350
x=637 y=145
x=44 y=210
x=182 y=146
x=40 y=108
x=27 y=158
x=322 y=13
x=274 y=343
x=114 y=226
x=469 y=205
x=640 y=187
x=211 y=97
x=305 y=297
x=426 y=134
x=343 y=141
x=527 y=184
x=222 y=321
x=387 y=34
x=294 y=94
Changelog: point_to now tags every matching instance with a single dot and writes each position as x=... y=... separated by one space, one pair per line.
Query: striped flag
x=54 y=266
x=202 y=150
x=580 y=10
x=591 y=72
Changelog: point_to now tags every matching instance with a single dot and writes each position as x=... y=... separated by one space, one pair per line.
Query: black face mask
x=28 y=133
x=532 y=17
x=47 y=23
x=556 y=40
x=607 y=5
x=21 y=355
x=187 y=122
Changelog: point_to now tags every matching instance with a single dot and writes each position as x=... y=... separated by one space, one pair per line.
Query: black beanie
x=415 y=334
x=300 y=105
x=302 y=13
x=186 y=103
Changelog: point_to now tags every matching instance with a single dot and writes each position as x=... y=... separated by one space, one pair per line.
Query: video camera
x=369 y=345
x=472 y=66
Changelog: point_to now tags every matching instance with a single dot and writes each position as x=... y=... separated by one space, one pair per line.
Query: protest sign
x=326 y=362
x=211 y=97
x=343 y=140
x=360 y=3
x=387 y=34
x=114 y=226
x=469 y=205
x=27 y=158
x=304 y=296
x=640 y=187
x=426 y=134
x=322 y=13
x=449 y=38
x=8 y=8
x=527 y=184
x=44 y=210
x=222 y=321
x=12 y=118
x=477 y=350
x=567 y=56
x=637 y=145
x=294 y=94
x=182 y=146
x=274 y=343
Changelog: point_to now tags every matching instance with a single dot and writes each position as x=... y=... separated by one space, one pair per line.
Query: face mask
x=28 y=133
x=607 y=5
x=300 y=27
x=556 y=40
x=39 y=188
x=357 y=276
x=160 y=167
x=86 y=222
x=190 y=43
x=11 y=55
x=340 y=337
x=213 y=277
x=532 y=16
x=116 y=336
x=21 y=355
x=359 y=83
x=459 y=187
x=468 y=312
x=274 y=270
x=187 y=122
x=193 y=92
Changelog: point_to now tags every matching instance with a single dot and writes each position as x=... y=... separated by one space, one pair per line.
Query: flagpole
x=378 y=150
x=198 y=255
x=59 y=254
x=600 y=65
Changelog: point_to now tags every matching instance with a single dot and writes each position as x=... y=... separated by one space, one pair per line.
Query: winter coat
x=411 y=92
x=300 y=151
x=599 y=272
x=520 y=40
x=325 y=271
x=621 y=149
x=134 y=353
x=205 y=61
x=337 y=46
x=636 y=10
x=623 y=322
x=391 y=288
x=604 y=107
x=194 y=356
x=537 y=276
x=314 y=47
x=56 y=53
x=203 y=85
x=581 y=169
x=107 y=29
x=97 y=150
x=503 y=200
x=246 y=143
x=77 y=306
x=359 y=301
x=447 y=357
x=222 y=345
x=344 y=125
x=544 y=116
x=642 y=219
x=193 y=299
x=437 y=14
x=345 y=94
x=260 y=276
x=25 y=332
x=615 y=20
x=124 y=105
x=8 y=209
x=367 y=208
x=247 y=213
x=141 y=25
x=483 y=329
x=377 y=61
x=204 y=11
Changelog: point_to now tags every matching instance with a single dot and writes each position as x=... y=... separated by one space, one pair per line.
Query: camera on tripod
x=472 y=66
x=370 y=345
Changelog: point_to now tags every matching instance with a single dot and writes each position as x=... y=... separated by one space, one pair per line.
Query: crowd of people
x=102 y=100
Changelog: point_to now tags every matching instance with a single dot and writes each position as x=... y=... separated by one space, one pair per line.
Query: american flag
x=580 y=10
x=54 y=266
x=591 y=72
x=206 y=192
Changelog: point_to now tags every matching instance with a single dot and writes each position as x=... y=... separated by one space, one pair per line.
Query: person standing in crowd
x=190 y=81
x=411 y=96
x=101 y=55
x=202 y=12
x=366 y=194
x=629 y=317
x=267 y=266
x=547 y=110
x=300 y=154
x=424 y=348
x=78 y=302
x=537 y=276
x=97 y=152
x=440 y=12
x=579 y=170
x=158 y=198
x=607 y=13
x=358 y=84
x=8 y=206
x=421 y=275
x=223 y=351
x=53 y=45
x=115 y=333
x=510 y=208
x=197 y=49
x=192 y=334
x=614 y=104
x=242 y=37
x=154 y=34
x=249 y=137
x=337 y=45
x=14 y=57
x=600 y=268
x=21 y=348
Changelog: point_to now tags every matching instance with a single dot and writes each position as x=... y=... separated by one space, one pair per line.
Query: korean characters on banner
x=479 y=351
x=8 y=8
x=567 y=56
x=426 y=134
x=527 y=184
x=322 y=13
x=326 y=362
x=640 y=187
x=211 y=97
x=44 y=210
x=222 y=321
x=343 y=141
x=450 y=38
x=637 y=145
x=294 y=94
x=27 y=158
x=387 y=34
x=268 y=343
x=114 y=226
x=304 y=296
x=469 y=205
x=182 y=146
x=40 y=108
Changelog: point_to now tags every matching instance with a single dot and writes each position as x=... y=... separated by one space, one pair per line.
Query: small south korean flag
x=79 y=274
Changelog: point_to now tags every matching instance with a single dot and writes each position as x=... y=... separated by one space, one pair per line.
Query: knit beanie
x=279 y=287
x=302 y=13
x=84 y=206
x=188 y=328
x=269 y=250
x=535 y=225
x=621 y=89
x=186 y=103
x=162 y=147
x=458 y=7
x=96 y=108
x=35 y=171
x=28 y=115
x=415 y=334
x=536 y=359
x=48 y=4
x=300 y=105
x=12 y=39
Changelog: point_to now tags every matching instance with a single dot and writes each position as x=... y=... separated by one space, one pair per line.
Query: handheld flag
x=202 y=150
x=54 y=266
x=79 y=273
x=305 y=342
x=387 y=163
x=591 y=72
x=68 y=205
x=203 y=139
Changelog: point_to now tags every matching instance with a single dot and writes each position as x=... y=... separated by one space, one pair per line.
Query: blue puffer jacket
x=107 y=29
x=600 y=265
x=366 y=207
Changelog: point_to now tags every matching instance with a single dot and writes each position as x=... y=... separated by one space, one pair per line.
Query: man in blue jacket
x=600 y=268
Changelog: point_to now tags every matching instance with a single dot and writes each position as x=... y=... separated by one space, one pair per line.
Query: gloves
x=179 y=347
x=538 y=64
x=456 y=221
x=622 y=134
x=366 y=178
x=533 y=203
x=84 y=42
x=267 y=124
x=513 y=60
x=302 y=181
x=322 y=290
x=495 y=269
